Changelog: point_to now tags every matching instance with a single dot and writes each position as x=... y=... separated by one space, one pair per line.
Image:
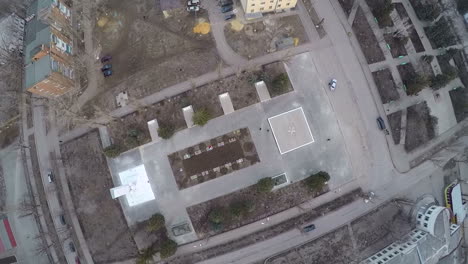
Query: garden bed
x=440 y=34
x=397 y=47
x=213 y=158
x=347 y=5
x=369 y=44
x=413 y=35
x=263 y=205
x=459 y=59
x=394 y=120
x=386 y=86
x=407 y=72
x=459 y=99
x=376 y=6
x=420 y=126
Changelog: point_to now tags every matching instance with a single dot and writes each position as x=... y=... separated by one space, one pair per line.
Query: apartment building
x=49 y=48
x=11 y=37
x=265 y=6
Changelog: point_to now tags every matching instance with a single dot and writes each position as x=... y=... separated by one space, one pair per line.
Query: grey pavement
x=217 y=27
x=25 y=229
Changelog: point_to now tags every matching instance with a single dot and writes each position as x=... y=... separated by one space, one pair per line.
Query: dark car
x=226 y=3
x=381 y=123
x=62 y=220
x=229 y=17
x=106 y=67
x=71 y=246
x=308 y=228
x=226 y=9
x=106 y=58
x=107 y=73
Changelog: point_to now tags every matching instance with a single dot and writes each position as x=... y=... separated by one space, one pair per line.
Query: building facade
x=49 y=49
x=11 y=36
x=265 y=6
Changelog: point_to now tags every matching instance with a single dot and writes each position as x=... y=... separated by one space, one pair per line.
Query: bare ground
x=264 y=205
x=395 y=125
x=397 y=47
x=367 y=39
x=269 y=232
x=347 y=5
x=459 y=99
x=374 y=6
x=101 y=217
x=258 y=38
x=386 y=85
x=420 y=127
x=149 y=52
x=413 y=35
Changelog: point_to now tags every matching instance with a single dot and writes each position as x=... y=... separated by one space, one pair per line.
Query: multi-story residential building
x=264 y=6
x=49 y=49
x=11 y=36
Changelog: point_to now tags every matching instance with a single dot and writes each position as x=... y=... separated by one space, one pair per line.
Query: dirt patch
x=413 y=35
x=347 y=5
x=397 y=45
x=407 y=72
x=376 y=6
x=444 y=63
x=213 y=158
x=459 y=99
x=271 y=71
x=426 y=67
x=395 y=125
x=369 y=45
x=440 y=34
x=149 y=52
x=322 y=250
x=420 y=126
x=460 y=59
x=270 y=231
x=380 y=228
x=260 y=38
x=386 y=85
x=101 y=217
x=264 y=205
x=8 y=133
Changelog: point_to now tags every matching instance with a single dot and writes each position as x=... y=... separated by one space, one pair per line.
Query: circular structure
x=432 y=219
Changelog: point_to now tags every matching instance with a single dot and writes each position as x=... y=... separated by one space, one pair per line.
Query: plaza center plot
x=291 y=130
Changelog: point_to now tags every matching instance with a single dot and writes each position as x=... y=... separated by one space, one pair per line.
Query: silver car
x=332 y=84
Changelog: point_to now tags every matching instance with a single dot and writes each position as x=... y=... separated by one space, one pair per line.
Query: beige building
x=264 y=6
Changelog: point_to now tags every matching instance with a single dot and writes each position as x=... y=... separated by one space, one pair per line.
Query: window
x=271 y=7
x=261 y=9
x=68 y=49
x=54 y=38
x=251 y=10
x=279 y=5
x=287 y=4
x=253 y=4
x=262 y=3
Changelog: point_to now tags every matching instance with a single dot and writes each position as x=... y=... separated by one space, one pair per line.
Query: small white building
x=11 y=35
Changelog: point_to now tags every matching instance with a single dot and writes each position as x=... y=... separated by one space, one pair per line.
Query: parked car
x=226 y=9
x=62 y=220
x=107 y=73
x=106 y=67
x=193 y=8
x=308 y=228
x=193 y=3
x=229 y=17
x=71 y=246
x=381 y=123
x=332 y=84
x=50 y=177
x=226 y=3
x=106 y=58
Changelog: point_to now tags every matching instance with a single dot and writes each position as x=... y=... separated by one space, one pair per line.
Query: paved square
x=291 y=130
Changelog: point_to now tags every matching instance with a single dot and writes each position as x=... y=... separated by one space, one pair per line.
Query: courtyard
x=257 y=124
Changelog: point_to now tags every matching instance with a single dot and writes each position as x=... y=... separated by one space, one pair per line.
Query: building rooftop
x=38 y=71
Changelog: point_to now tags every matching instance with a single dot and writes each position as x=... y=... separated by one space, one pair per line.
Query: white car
x=193 y=3
x=193 y=8
x=332 y=84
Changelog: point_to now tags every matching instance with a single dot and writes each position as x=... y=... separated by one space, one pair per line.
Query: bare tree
x=27 y=207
